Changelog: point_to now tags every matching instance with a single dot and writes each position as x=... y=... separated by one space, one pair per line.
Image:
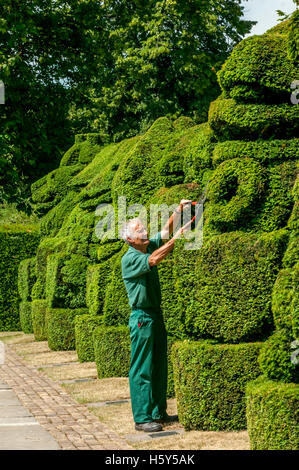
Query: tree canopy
x=111 y=66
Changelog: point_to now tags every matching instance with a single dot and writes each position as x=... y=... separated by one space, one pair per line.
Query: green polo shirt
x=142 y=280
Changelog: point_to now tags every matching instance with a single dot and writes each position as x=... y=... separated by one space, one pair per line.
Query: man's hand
x=183 y=204
x=182 y=230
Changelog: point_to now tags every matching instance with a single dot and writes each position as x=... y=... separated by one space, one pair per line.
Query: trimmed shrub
x=66 y=280
x=84 y=327
x=17 y=242
x=116 y=309
x=136 y=178
x=282 y=298
x=272 y=415
x=83 y=151
x=198 y=153
x=265 y=151
x=98 y=276
x=275 y=358
x=112 y=349
x=25 y=317
x=231 y=121
x=258 y=69
x=38 y=311
x=112 y=352
x=53 y=220
x=236 y=187
x=210 y=382
x=55 y=185
x=293 y=38
x=230 y=298
x=61 y=327
x=26 y=277
x=276 y=206
x=46 y=247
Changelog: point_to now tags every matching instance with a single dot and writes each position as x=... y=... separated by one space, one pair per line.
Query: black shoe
x=167 y=419
x=148 y=427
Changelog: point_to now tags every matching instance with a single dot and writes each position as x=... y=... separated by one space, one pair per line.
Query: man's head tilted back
x=135 y=234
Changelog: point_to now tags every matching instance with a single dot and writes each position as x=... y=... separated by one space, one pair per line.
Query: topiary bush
x=230 y=120
x=233 y=278
x=26 y=278
x=66 y=280
x=197 y=157
x=61 y=327
x=272 y=415
x=210 y=381
x=236 y=187
x=84 y=327
x=25 y=317
x=17 y=242
x=112 y=349
x=38 y=313
x=262 y=150
x=275 y=358
x=259 y=69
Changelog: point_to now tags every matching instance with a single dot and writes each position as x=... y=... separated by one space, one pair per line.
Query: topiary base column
x=272 y=415
x=210 y=382
x=61 y=327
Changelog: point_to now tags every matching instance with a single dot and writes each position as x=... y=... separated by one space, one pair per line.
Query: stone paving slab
x=69 y=423
x=19 y=430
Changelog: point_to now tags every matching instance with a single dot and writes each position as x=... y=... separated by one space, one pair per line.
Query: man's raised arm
x=171 y=224
x=158 y=255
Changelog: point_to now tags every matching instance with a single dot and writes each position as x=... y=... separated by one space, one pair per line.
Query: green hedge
x=258 y=69
x=17 y=242
x=112 y=349
x=136 y=177
x=61 y=327
x=275 y=358
x=25 y=317
x=231 y=121
x=46 y=247
x=283 y=294
x=26 y=278
x=293 y=38
x=210 y=382
x=272 y=415
x=112 y=352
x=197 y=156
x=265 y=151
x=236 y=187
x=38 y=310
x=83 y=151
x=242 y=194
x=84 y=327
x=66 y=280
x=230 y=295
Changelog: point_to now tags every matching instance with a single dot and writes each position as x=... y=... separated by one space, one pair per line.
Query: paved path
x=36 y=413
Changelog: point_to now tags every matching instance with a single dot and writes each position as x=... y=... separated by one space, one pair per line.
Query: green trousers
x=148 y=367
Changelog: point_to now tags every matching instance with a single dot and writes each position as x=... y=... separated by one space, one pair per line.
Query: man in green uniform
x=148 y=368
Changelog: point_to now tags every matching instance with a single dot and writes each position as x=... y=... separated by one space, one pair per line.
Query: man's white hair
x=127 y=229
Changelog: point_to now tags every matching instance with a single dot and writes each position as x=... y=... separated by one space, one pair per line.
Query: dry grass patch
x=50 y=357
x=198 y=440
x=119 y=417
x=116 y=388
x=16 y=337
x=69 y=372
x=31 y=348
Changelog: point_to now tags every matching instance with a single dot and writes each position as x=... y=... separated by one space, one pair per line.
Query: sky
x=264 y=12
